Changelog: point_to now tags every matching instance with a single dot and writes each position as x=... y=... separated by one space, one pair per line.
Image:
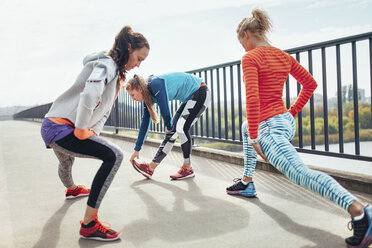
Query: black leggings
x=186 y=116
x=69 y=147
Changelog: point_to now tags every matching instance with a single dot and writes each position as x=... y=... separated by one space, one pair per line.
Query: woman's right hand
x=83 y=134
x=134 y=155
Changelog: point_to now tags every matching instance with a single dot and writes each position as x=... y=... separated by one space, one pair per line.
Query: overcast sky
x=43 y=42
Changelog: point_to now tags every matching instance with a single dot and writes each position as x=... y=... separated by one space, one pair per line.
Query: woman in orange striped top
x=270 y=126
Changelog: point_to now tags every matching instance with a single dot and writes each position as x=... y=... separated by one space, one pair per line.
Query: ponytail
x=258 y=24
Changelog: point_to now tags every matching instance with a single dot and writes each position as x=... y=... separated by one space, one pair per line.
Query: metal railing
x=222 y=120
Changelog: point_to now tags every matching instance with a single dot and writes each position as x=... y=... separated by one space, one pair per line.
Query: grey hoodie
x=88 y=102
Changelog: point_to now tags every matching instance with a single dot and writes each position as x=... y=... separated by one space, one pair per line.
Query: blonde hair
x=258 y=24
x=139 y=83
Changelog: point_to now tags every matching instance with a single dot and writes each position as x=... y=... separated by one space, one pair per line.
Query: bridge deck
x=158 y=212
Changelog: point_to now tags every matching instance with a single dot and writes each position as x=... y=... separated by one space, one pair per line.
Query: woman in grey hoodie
x=73 y=124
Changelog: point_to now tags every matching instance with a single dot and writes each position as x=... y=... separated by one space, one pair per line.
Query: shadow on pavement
x=51 y=231
x=320 y=238
x=209 y=217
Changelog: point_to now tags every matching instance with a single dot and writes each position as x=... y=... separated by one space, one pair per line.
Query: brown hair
x=139 y=83
x=258 y=24
x=126 y=39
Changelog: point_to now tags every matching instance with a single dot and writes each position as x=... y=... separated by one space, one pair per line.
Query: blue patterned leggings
x=274 y=135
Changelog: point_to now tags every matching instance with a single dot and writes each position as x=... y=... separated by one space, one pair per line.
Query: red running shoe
x=96 y=231
x=78 y=192
x=144 y=169
x=183 y=173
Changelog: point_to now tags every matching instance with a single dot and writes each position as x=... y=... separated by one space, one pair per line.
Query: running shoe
x=96 y=231
x=183 y=173
x=78 y=192
x=144 y=169
x=240 y=188
x=362 y=237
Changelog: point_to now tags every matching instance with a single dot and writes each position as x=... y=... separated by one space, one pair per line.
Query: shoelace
x=359 y=229
x=236 y=185
x=183 y=169
x=77 y=188
x=236 y=180
x=350 y=225
x=100 y=227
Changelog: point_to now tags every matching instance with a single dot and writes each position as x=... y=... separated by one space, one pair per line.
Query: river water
x=348 y=165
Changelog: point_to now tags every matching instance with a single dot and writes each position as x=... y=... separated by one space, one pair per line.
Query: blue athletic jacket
x=164 y=88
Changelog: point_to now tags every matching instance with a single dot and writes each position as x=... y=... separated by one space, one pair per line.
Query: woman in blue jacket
x=195 y=97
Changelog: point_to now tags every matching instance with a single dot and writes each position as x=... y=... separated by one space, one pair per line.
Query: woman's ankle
x=153 y=165
x=187 y=165
x=72 y=187
x=356 y=209
x=247 y=179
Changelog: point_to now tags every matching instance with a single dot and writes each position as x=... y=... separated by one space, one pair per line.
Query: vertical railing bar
x=207 y=111
x=219 y=103
x=370 y=70
x=312 y=114
x=240 y=102
x=356 y=98
x=299 y=115
x=225 y=103
x=325 y=100
x=212 y=105
x=232 y=102
x=287 y=94
x=339 y=101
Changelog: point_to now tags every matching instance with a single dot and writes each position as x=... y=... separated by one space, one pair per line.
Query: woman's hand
x=134 y=155
x=258 y=149
x=83 y=134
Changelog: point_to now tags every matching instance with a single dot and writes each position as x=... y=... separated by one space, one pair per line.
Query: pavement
x=158 y=212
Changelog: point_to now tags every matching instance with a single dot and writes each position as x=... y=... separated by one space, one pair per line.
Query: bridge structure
x=195 y=212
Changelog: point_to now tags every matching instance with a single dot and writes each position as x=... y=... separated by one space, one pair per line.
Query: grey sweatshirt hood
x=95 y=56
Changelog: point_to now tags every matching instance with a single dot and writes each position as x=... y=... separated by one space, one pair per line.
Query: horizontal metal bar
x=335 y=154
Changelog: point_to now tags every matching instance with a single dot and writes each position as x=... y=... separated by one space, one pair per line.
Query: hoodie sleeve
x=90 y=96
x=97 y=128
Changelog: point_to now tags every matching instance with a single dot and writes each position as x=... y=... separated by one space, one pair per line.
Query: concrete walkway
x=159 y=212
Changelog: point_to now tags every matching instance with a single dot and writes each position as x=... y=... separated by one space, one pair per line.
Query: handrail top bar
x=338 y=41
x=237 y=62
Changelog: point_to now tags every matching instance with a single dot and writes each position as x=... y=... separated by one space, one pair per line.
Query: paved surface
x=158 y=212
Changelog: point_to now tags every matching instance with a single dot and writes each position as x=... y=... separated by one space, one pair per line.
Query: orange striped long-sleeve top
x=265 y=70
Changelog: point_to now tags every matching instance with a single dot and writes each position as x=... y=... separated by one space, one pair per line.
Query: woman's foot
x=96 y=231
x=246 y=189
x=78 y=192
x=362 y=236
x=143 y=168
x=183 y=173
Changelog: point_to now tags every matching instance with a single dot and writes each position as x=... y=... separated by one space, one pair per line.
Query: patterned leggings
x=69 y=147
x=275 y=134
x=186 y=116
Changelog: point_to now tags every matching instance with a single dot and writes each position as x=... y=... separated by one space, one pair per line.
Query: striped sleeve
x=308 y=86
x=250 y=72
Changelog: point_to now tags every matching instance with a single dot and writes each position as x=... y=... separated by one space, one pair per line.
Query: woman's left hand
x=258 y=149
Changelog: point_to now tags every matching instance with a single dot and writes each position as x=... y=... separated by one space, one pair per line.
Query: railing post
x=117 y=115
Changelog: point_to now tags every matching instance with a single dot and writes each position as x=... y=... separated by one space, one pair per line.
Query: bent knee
x=115 y=156
x=180 y=128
